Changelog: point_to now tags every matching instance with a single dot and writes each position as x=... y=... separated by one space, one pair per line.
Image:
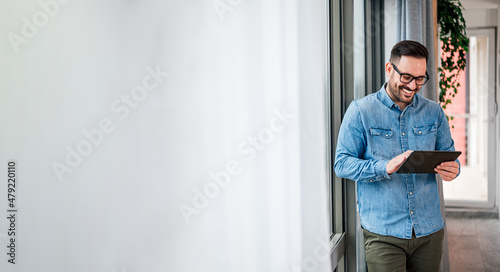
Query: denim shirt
x=375 y=130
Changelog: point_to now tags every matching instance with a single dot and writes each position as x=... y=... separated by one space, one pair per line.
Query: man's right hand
x=394 y=164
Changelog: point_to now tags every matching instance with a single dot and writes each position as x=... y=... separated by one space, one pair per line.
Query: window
x=356 y=69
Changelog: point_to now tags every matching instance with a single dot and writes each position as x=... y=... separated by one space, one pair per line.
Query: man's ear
x=388 y=69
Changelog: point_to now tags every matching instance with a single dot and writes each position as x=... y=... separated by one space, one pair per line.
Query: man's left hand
x=448 y=170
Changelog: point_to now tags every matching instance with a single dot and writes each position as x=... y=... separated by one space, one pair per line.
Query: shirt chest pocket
x=382 y=143
x=425 y=137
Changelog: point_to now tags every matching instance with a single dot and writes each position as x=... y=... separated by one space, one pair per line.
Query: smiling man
x=400 y=213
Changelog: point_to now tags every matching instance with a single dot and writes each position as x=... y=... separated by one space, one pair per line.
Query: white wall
x=476 y=18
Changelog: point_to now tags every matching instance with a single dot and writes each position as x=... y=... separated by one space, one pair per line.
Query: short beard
x=397 y=93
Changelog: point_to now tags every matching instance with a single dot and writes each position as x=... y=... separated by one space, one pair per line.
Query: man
x=400 y=213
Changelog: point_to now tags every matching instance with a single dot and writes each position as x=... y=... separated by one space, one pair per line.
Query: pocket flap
x=424 y=129
x=386 y=133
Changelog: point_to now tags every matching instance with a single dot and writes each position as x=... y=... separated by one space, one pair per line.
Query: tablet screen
x=426 y=161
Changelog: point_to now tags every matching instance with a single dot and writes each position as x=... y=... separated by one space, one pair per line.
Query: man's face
x=402 y=93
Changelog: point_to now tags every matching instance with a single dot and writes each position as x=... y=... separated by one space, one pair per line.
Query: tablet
x=424 y=162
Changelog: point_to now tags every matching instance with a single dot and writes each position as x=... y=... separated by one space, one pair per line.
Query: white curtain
x=415 y=21
x=165 y=135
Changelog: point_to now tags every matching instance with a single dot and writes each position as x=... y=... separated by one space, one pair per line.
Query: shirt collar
x=386 y=99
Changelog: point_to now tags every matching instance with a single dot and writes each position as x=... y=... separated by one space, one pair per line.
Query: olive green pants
x=387 y=253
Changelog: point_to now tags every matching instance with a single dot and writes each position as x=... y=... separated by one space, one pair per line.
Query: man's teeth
x=406 y=91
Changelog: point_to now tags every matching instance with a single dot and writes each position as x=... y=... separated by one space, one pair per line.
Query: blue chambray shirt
x=375 y=130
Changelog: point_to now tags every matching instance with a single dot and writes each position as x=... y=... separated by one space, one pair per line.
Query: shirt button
x=411 y=212
x=411 y=193
x=371 y=180
x=403 y=133
x=401 y=115
x=420 y=132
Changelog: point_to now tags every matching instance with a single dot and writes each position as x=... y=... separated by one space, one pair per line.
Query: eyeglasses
x=407 y=78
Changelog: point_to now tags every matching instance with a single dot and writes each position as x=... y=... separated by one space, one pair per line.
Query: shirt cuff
x=381 y=170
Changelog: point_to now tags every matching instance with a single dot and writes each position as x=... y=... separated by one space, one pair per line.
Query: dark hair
x=408 y=48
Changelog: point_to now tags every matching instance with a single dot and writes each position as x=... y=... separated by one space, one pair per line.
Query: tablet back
x=424 y=162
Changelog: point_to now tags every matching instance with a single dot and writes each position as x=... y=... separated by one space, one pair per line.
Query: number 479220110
x=11 y=185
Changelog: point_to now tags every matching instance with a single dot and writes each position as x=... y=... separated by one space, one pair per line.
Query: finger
x=445 y=175
x=408 y=152
x=451 y=168
x=450 y=164
x=447 y=178
x=401 y=159
x=394 y=164
x=446 y=168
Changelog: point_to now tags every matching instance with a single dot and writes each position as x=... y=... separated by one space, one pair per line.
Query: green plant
x=455 y=45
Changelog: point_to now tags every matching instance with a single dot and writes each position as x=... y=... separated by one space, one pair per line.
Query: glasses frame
x=426 y=77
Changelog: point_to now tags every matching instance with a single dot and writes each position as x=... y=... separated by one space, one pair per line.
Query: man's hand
x=448 y=170
x=394 y=164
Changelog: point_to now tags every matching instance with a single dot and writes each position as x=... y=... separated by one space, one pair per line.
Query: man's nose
x=413 y=84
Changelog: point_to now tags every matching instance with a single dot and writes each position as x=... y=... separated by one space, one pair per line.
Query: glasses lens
x=421 y=80
x=406 y=78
